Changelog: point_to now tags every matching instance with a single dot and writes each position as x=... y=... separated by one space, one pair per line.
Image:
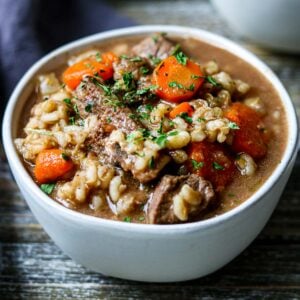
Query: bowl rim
x=42 y=199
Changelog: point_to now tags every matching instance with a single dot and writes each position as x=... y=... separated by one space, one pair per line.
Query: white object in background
x=157 y=253
x=274 y=24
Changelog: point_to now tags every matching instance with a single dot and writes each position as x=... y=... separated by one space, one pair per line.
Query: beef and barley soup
x=153 y=129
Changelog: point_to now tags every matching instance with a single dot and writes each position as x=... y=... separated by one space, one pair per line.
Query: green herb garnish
x=144 y=70
x=47 y=188
x=127 y=219
x=191 y=87
x=151 y=163
x=98 y=57
x=181 y=58
x=201 y=119
x=175 y=49
x=155 y=38
x=65 y=156
x=233 y=126
x=124 y=56
x=141 y=218
x=193 y=76
x=186 y=117
x=174 y=84
x=217 y=166
x=161 y=140
x=154 y=60
x=136 y=59
x=211 y=80
x=88 y=107
x=128 y=80
x=105 y=88
x=197 y=165
x=72 y=120
x=67 y=101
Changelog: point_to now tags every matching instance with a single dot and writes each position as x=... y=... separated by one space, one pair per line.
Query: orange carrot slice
x=99 y=65
x=181 y=108
x=248 y=138
x=213 y=162
x=177 y=81
x=51 y=165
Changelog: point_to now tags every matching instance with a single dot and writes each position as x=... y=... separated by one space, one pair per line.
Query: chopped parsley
x=88 y=107
x=133 y=116
x=72 y=120
x=194 y=76
x=136 y=59
x=208 y=78
x=217 y=166
x=146 y=90
x=155 y=60
x=141 y=218
x=127 y=219
x=140 y=154
x=151 y=163
x=76 y=110
x=186 y=117
x=175 y=49
x=155 y=38
x=181 y=58
x=201 y=119
x=124 y=56
x=105 y=88
x=144 y=70
x=197 y=165
x=191 y=87
x=65 y=156
x=128 y=80
x=211 y=80
x=47 y=188
x=161 y=140
x=98 y=57
x=174 y=84
x=145 y=132
x=108 y=120
x=233 y=126
x=68 y=101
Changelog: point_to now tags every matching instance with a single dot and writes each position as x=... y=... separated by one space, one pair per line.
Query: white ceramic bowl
x=158 y=253
x=273 y=24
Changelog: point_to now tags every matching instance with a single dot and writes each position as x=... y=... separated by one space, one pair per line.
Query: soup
x=156 y=129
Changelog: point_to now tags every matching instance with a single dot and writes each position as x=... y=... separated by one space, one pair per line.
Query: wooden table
x=34 y=268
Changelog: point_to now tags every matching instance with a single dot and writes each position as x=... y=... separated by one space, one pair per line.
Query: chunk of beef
x=127 y=162
x=129 y=65
x=109 y=118
x=137 y=89
x=156 y=46
x=160 y=210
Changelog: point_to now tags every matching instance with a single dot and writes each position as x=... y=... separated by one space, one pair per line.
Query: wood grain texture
x=32 y=267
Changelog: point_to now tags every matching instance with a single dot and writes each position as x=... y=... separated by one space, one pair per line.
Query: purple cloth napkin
x=31 y=28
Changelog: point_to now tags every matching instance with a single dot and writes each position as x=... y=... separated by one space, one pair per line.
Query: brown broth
x=242 y=187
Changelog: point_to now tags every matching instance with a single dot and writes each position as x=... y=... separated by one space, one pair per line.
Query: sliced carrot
x=51 y=165
x=249 y=138
x=211 y=161
x=100 y=65
x=183 y=107
x=177 y=82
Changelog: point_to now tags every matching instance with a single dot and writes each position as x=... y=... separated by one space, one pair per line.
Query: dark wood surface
x=32 y=267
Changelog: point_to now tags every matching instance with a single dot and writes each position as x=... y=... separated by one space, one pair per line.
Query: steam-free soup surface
x=141 y=130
